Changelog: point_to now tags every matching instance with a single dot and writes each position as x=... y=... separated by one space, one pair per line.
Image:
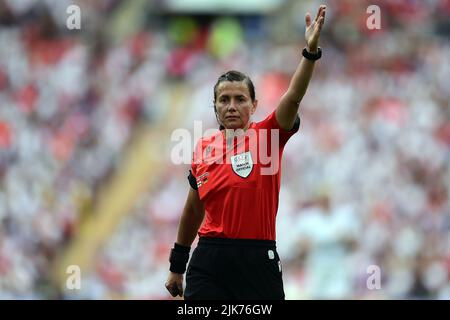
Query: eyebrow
x=237 y=96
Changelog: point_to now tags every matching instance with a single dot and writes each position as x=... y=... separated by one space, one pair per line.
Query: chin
x=234 y=125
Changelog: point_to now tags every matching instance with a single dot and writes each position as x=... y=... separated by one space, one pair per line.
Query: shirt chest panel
x=238 y=171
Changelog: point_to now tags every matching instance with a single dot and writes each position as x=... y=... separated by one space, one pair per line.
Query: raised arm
x=286 y=111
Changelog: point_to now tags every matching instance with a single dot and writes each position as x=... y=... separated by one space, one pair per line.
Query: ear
x=254 y=106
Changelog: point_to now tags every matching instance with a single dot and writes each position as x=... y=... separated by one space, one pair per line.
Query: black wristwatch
x=312 y=56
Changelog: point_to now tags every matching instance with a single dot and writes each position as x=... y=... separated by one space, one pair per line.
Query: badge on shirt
x=242 y=164
x=201 y=180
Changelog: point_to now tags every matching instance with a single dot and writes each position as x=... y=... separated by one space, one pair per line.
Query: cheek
x=220 y=110
x=247 y=111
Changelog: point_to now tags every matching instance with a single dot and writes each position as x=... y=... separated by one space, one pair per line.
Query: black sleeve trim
x=296 y=124
x=192 y=181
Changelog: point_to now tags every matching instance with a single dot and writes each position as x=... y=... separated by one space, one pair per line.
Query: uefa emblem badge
x=242 y=164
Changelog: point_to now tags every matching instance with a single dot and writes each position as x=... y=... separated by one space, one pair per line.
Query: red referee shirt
x=239 y=181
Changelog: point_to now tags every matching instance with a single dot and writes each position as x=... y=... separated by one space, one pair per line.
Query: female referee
x=236 y=256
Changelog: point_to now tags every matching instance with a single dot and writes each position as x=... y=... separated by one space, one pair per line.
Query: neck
x=231 y=133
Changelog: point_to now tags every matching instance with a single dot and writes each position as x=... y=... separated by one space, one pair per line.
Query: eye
x=241 y=99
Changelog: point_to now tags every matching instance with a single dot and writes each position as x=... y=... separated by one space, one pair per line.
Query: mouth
x=232 y=118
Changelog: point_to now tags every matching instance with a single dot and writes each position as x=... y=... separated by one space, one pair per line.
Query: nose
x=232 y=106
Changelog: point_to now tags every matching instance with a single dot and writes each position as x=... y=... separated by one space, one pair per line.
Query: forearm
x=190 y=222
x=299 y=82
x=286 y=112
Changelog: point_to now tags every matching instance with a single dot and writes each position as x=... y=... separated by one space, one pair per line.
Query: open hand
x=313 y=28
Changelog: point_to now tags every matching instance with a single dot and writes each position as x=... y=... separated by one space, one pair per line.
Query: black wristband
x=179 y=256
x=312 y=56
x=181 y=248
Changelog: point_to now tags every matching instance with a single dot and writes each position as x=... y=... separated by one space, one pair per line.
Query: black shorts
x=234 y=269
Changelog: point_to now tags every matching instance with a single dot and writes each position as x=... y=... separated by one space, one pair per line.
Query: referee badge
x=242 y=164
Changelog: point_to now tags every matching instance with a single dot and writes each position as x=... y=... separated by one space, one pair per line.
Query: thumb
x=308 y=20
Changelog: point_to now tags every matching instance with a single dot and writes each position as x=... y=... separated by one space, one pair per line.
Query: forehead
x=232 y=88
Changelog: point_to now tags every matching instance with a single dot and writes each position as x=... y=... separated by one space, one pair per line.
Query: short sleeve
x=271 y=123
x=196 y=156
x=193 y=170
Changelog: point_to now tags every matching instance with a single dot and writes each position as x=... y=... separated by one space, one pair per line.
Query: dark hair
x=231 y=76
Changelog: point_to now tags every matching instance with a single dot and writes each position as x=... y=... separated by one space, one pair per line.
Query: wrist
x=312 y=56
x=181 y=248
x=179 y=256
x=312 y=49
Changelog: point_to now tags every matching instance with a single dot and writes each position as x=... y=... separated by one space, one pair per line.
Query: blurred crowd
x=68 y=107
x=365 y=184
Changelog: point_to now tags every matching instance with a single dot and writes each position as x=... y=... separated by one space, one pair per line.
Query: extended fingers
x=319 y=24
x=320 y=13
x=320 y=19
